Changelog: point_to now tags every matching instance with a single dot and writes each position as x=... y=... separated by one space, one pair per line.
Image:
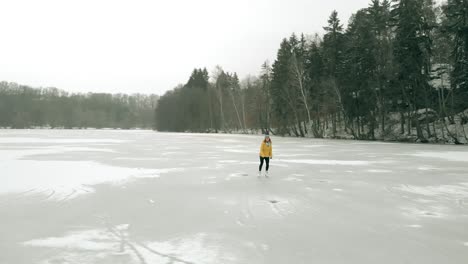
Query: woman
x=266 y=153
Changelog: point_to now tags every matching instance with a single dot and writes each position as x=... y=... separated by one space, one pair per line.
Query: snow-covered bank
x=146 y=197
x=436 y=131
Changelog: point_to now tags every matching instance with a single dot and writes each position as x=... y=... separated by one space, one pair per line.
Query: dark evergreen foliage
x=386 y=69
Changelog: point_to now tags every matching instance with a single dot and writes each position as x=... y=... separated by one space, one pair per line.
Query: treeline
x=399 y=67
x=202 y=105
x=25 y=107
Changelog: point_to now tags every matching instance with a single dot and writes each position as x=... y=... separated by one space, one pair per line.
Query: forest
x=22 y=106
x=397 y=71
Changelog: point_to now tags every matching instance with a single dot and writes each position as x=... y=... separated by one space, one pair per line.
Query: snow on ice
x=145 y=197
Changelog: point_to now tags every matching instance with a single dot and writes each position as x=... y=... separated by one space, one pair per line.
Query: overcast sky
x=147 y=46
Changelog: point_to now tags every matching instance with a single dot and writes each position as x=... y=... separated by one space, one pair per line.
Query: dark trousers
x=267 y=160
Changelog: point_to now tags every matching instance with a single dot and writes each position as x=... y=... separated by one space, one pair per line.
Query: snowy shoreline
x=394 y=139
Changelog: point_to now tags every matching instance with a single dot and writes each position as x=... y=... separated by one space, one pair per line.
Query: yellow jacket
x=265 y=150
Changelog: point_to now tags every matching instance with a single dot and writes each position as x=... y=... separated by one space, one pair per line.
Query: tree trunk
x=334 y=124
x=220 y=98
x=402 y=122
x=299 y=77
x=243 y=110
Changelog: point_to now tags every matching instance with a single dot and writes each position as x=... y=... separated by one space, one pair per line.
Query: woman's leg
x=261 y=164
x=267 y=163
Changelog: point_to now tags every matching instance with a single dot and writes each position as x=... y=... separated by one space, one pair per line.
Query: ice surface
x=23 y=140
x=90 y=240
x=459 y=191
x=447 y=155
x=62 y=179
x=144 y=197
x=328 y=162
x=105 y=244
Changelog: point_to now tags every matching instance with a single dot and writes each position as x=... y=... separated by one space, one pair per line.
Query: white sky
x=147 y=46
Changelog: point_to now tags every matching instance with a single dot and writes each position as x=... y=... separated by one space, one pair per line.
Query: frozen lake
x=145 y=197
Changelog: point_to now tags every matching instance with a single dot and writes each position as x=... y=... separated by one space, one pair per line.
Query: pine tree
x=359 y=72
x=333 y=42
x=279 y=84
x=265 y=96
x=456 y=12
x=315 y=71
x=411 y=57
x=379 y=15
